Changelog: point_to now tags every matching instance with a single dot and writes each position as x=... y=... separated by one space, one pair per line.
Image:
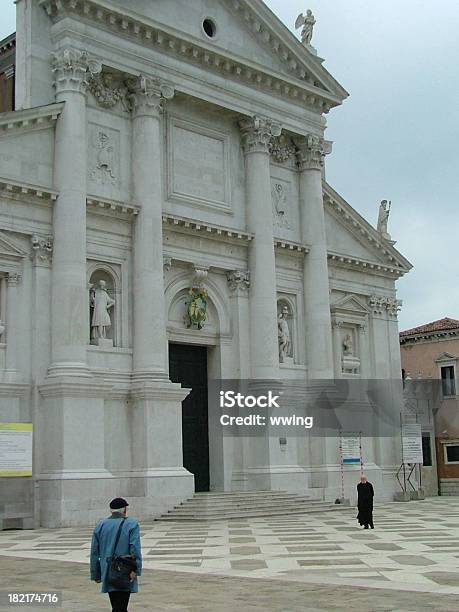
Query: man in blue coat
x=102 y=549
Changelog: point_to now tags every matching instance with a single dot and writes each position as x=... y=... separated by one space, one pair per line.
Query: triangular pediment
x=349 y=304
x=9 y=250
x=350 y=235
x=445 y=357
x=247 y=34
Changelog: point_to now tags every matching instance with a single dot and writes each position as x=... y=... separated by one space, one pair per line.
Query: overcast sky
x=397 y=135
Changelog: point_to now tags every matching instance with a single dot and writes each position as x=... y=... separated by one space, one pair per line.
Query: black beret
x=118 y=503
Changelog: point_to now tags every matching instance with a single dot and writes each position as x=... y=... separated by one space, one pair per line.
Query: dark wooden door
x=188 y=366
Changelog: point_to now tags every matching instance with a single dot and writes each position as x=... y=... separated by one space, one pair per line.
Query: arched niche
x=287 y=305
x=104 y=272
x=218 y=321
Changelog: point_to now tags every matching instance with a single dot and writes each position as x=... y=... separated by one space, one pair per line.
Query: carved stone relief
x=281 y=148
x=104 y=155
x=281 y=199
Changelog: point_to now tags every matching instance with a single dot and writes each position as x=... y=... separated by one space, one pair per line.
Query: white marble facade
x=144 y=152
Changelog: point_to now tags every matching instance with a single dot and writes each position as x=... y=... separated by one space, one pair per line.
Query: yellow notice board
x=15 y=449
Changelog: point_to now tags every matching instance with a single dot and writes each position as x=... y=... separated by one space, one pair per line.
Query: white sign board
x=350 y=449
x=15 y=449
x=412 y=443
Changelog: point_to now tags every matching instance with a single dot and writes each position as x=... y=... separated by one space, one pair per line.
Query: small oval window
x=209 y=27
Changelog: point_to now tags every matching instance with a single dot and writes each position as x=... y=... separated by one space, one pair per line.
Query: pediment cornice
x=390 y=259
x=304 y=82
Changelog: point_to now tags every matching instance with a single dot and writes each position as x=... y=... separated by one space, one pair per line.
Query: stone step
x=250 y=504
x=246 y=506
x=247 y=502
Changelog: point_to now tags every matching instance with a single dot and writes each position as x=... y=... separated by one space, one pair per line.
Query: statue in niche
x=101 y=303
x=280 y=206
x=383 y=218
x=308 y=23
x=283 y=333
x=348 y=346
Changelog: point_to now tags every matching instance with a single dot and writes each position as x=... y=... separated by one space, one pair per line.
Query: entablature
x=304 y=83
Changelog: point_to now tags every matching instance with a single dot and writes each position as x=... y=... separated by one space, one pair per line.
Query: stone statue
x=308 y=22
x=348 y=346
x=283 y=333
x=101 y=302
x=383 y=218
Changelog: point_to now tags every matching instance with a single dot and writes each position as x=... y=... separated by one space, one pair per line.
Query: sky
x=397 y=136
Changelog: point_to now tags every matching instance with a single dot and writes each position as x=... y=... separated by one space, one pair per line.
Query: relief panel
x=198 y=165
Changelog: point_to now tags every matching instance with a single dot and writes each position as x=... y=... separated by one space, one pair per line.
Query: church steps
x=239 y=505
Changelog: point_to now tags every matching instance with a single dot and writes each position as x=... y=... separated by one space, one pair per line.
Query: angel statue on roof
x=308 y=22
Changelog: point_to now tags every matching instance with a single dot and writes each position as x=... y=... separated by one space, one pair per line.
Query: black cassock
x=365 y=503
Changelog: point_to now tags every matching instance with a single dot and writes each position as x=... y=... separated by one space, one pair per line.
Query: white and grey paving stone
x=414 y=547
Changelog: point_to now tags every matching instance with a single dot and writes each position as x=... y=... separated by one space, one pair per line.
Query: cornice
x=205 y=228
x=96 y=204
x=289 y=245
x=363 y=265
x=21 y=189
x=41 y=116
x=365 y=232
x=446 y=334
x=300 y=85
x=7 y=44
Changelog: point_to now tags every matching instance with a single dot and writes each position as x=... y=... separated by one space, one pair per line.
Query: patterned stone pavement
x=414 y=547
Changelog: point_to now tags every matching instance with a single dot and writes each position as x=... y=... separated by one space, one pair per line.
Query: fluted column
x=150 y=341
x=69 y=297
x=256 y=134
x=316 y=285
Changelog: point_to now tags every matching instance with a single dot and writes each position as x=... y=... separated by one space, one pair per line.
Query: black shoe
x=366 y=527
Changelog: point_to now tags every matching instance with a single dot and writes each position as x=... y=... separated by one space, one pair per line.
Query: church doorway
x=188 y=366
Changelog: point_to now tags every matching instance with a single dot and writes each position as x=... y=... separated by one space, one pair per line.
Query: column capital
x=147 y=96
x=72 y=69
x=257 y=132
x=311 y=152
x=14 y=279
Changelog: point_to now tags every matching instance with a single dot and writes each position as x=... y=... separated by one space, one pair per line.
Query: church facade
x=164 y=221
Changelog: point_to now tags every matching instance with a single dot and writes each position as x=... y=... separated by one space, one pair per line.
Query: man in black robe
x=365 y=495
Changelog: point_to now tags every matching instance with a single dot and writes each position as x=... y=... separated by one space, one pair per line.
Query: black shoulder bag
x=120 y=568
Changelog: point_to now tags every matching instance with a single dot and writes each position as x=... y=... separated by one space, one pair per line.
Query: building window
x=426 y=450
x=452 y=453
x=209 y=27
x=448 y=384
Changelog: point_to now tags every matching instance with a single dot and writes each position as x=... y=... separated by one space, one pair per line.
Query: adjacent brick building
x=431 y=352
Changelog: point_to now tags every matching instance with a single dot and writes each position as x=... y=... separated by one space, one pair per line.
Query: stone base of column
x=68 y=369
x=157 y=445
x=78 y=499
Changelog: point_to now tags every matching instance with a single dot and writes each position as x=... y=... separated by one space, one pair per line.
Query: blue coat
x=103 y=540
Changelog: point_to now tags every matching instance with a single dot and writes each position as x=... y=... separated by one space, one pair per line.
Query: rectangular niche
x=198 y=165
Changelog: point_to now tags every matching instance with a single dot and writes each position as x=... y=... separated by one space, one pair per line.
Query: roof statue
x=383 y=218
x=307 y=22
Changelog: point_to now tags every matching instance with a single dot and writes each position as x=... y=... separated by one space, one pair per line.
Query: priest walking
x=365 y=496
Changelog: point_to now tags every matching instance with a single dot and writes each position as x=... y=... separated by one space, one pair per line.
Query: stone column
x=70 y=426
x=337 y=348
x=69 y=296
x=150 y=342
x=156 y=434
x=316 y=285
x=256 y=134
x=12 y=327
